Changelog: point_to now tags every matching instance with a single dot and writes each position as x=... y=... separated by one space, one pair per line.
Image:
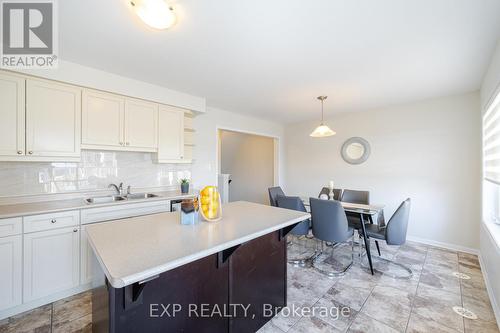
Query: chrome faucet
x=118 y=189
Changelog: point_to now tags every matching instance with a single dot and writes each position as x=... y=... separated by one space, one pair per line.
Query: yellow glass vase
x=210 y=201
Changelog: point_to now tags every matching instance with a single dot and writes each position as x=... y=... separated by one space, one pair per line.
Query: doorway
x=251 y=161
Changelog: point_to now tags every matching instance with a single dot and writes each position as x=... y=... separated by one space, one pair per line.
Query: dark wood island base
x=235 y=290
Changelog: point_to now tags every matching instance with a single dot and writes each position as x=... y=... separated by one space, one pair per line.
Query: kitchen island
x=161 y=276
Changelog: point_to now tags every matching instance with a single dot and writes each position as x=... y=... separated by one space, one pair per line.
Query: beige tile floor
x=72 y=314
x=370 y=303
x=381 y=303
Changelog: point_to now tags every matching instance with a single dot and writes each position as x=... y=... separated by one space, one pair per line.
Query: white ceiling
x=272 y=58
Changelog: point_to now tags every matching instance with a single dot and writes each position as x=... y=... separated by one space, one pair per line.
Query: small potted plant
x=184 y=185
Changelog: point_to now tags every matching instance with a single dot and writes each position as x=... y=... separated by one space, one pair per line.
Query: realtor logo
x=29 y=34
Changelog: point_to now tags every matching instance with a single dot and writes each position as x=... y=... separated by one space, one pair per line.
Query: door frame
x=276 y=150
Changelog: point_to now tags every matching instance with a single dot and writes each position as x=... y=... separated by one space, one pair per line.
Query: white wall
x=204 y=169
x=428 y=151
x=250 y=161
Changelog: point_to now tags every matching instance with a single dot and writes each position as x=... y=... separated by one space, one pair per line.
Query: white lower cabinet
x=90 y=271
x=51 y=262
x=11 y=261
x=53 y=257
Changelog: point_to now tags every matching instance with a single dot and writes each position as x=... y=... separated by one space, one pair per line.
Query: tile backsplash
x=95 y=171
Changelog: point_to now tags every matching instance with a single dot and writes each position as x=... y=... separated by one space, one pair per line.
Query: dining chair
x=337 y=193
x=273 y=193
x=354 y=196
x=329 y=224
x=357 y=197
x=300 y=230
x=394 y=232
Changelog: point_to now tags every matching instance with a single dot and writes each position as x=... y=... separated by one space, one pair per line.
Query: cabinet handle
x=30 y=152
x=75 y=230
x=19 y=152
x=121 y=143
x=53 y=221
x=128 y=143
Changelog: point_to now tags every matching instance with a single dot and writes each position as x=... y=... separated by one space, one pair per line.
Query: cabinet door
x=51 y=262
x=90 y=271
x=171 y=134
x=11 y=115
x=53 y=119
x=102 y=119
x=10 y=272
x=141 y=124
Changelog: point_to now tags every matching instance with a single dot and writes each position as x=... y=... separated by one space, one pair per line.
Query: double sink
x=116 y=198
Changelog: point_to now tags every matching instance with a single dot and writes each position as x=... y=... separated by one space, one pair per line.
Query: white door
x=51 y=262
x=53 y=119
x=141 y=124
x=12 y=112
x=90 y=270
x=11 y=260
x=170 y=134
x=102 y=119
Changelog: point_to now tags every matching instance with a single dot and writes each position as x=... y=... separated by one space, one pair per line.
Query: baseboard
x=42 y=301
x=493 y=300
x=495 y=303
x=448 y=246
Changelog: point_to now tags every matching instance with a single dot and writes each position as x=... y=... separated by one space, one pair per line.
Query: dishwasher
x=175 y=205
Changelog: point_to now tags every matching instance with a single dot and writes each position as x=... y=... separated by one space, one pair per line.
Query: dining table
x=365 y=211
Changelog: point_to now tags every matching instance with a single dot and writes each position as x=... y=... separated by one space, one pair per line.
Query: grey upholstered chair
x=329 y=224
x=353 y=196
x=301 y=229
x=337 y=193
x=273 y=193
x=394 y=232
x=358 y=197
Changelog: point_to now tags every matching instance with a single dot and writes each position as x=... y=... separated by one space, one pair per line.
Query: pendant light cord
x=322 y=112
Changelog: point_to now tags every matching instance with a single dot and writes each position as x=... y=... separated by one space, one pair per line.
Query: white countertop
x=42 y=207
x=134 y=249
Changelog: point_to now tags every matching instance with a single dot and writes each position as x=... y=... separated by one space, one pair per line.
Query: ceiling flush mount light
x=322 y=130
x=155 y=13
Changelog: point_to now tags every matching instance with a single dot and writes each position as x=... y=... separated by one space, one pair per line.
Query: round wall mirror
x=355 y=150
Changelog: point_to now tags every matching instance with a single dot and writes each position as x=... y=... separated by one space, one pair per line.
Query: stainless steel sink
x=135 y=196
x=104 y=199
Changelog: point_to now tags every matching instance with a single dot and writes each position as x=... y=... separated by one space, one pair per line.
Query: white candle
x=331 y=184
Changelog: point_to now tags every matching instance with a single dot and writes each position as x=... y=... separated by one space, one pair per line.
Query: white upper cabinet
x=170 y=135
x=53 y=120
x=114 y=122
x=47 y=121
x=12 y=115
x=102 y=119
x=141 y=124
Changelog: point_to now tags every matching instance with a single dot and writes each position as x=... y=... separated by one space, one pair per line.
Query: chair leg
x=378 y=248
x=305 y=262
x=333 y=273
x=407 y=269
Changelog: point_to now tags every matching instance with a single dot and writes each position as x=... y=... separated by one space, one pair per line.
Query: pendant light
x=322 y=130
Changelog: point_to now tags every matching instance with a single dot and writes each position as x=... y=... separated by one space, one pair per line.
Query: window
x=491 y=142
x=491 y=169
